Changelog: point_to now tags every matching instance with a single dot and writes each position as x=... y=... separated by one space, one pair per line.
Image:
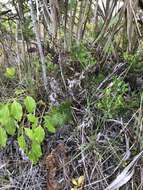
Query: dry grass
x=97 y=149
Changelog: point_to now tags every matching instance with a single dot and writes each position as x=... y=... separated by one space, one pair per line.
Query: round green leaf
x=10 y=126
x=4 y=114
x=29 y=133
x=10 y=72
x=36 y=149
x=35 y=153
x=32 y=119
x=16 y=110
x=39 y=134
x=49 y=124
x=30 y=104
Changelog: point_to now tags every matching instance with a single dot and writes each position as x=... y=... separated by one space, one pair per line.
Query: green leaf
x=3 y=137
x=4 y=114
x=30 y=104
x=10 y=126
x=16 y=110
x=32 y=119
x=58 y=119
x=22 y=143
x=51 y=128
x=39 y=134
x=36 y=149
x=49 y=125
x=35 y=153
x=10 y=72
x=29 y=133
x=32 y=157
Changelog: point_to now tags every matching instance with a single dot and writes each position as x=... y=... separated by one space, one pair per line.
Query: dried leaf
x=125 y=175
x=75 y=188
x=53 y=164
x=75 y=182
x=81 y=180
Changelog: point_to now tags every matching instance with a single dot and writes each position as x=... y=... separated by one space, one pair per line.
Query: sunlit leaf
x=49 y=125
x=21 y=142
x=35 y=152
x=16 y=110
x=75 y=182
x=3 y=137
x=30 y=104
x=4 y=114
x=39 y=134
x=81 y=180
x=29 y=133
x=10 y=72
x=10 y=126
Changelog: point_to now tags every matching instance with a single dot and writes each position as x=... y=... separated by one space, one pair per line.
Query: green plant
x=131 y=58
x=58 y=116
x=10 y=72
x=50 y=65
x=82 y=54
x=135 y=61
x=112 y=99
x=30 y=137
x=27 y=29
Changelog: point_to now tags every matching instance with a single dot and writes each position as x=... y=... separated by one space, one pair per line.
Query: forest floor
x=92 y=150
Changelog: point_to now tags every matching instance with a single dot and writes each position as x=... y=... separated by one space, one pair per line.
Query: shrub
x=31 y=136
x=112 y=99
x=81 y=53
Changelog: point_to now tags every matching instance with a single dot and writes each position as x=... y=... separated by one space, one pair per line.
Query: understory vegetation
x=71 y=94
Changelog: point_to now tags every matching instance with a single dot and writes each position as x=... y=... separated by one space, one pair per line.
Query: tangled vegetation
x=71 y=94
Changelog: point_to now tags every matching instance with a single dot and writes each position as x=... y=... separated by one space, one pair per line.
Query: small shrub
x=134 y=61
x=58 y=116
x=30 y=139
x=112 y=99
x=131 y=58
x=51 y=65
x=81 y=53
